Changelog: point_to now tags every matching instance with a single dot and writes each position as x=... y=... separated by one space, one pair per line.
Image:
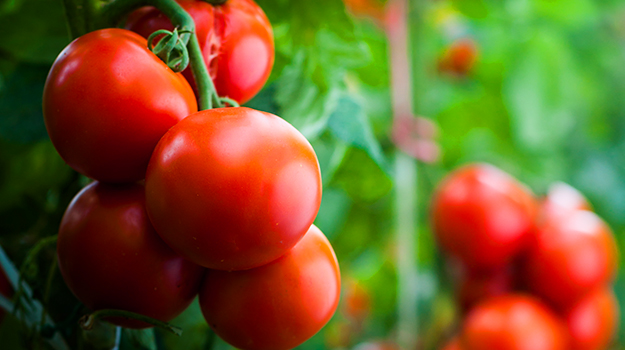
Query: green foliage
x=544 y=102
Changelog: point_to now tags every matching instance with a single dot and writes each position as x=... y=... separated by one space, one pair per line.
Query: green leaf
x=34 y=31
x=362 y=178
x=541 y=93
x=139 y=339
x=21 y=117
x=349 y=123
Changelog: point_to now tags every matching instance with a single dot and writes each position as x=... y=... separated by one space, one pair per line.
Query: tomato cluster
x=532 y=273
x=218 y=202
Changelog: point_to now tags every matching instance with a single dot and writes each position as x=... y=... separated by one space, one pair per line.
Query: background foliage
x=544 y=102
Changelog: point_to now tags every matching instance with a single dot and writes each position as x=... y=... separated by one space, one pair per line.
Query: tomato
x=236 y=41
x=277 y=306
x=513 y=322
x=482 y=216
x=356 y=302
x=108 y=100
x=570 y=257
x=561 y=200
x=111 y=258
x=475 y=287
x=453 y=344
x=233 y=188
x=459 y=58
x=592 y=321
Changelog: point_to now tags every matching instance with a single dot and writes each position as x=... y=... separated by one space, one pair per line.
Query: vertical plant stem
x=406 y=210
x=75 y=13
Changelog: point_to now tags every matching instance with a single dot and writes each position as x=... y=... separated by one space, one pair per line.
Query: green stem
x=114 y=11
x=86 y=322
x=75 y=13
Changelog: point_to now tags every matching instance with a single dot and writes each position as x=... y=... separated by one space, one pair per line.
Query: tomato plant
x=482 y=216
x=111 y=258
x=233 y=188
x=513 y=322
x=236 y=41
x=592 y=321
x=108 y=100
x=279 y=305
x=570 y=257
x=5 y=289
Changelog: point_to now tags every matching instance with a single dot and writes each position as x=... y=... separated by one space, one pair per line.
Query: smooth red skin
x=513 y=322
x=592 y=322
x=570 y=257
x=236 y=40
x=111 y=257
x=482 y=216
x=108 y=100
x=277 y=306
x=475 y=287
x=561 y=200
x=233 y=188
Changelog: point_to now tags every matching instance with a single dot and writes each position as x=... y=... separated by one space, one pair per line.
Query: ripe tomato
x=233 y=188
x=236 y=40
x=111 y=258
x=592 y=321
x=561 y=200
x=277 y=306
x=356 y=303
x=482 y=216
x=513 y=322
x=570 y=257
x=108 y=100
x=459 y=58
x=475 y=287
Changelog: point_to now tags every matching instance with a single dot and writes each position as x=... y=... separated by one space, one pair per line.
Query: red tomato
x=453 y=344
x=570 y=257
x=459 y=58
x=108 y=100
x=277 y=306
x=475 y=287
x=373 y=9
x=513 y=322
x=233 y=188
x=236 y=40
x=592 y=321
x=561 y=200
x=111 y=258
x=356 y=302
x=482 y=216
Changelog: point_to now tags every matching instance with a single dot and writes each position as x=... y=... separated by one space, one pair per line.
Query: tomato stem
x=114 y=11
x=87 y=321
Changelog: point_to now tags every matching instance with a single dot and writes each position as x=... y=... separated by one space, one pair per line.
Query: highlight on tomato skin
x=236 y=40
x=513 y=322
x=570 y=257
x=592 y=322
x=279 y=305
x=233 y=188
x=482 y=216
x=111 y=258
x=107 y=101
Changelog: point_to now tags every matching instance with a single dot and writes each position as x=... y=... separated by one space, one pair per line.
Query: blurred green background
x=545 y=101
